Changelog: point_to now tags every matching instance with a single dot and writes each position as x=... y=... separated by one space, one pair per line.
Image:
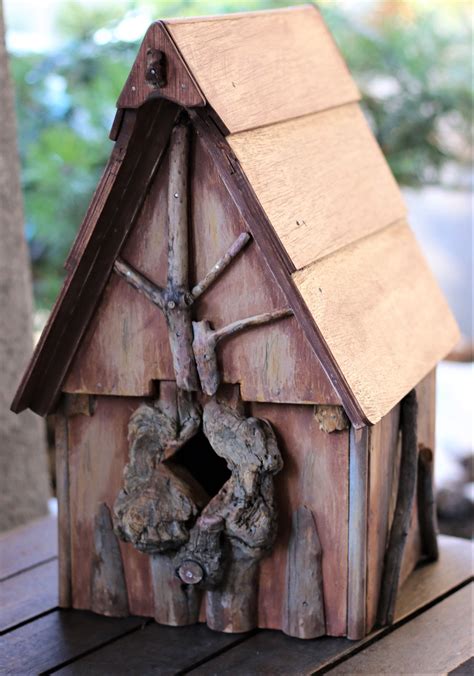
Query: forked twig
x=206 y=339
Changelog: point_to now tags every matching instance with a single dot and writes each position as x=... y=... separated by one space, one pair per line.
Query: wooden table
x=432 y=633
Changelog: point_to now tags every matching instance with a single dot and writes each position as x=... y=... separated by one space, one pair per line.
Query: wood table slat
x=28 y=545
x=155 y=650
x=58 y=637
x=436 y=641
x=28 y=594
x=270 y=652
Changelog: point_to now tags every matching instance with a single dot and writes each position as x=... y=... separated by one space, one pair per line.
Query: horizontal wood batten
x=321 y=179
x=260 y=68
x=376 y=304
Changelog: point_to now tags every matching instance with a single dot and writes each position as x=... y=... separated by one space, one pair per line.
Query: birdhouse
x=241 y=360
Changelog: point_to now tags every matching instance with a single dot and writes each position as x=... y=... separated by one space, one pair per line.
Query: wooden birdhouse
x=241 y=360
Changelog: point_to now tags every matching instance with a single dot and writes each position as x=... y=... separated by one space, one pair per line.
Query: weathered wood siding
x=384 y=461
x=126 y=346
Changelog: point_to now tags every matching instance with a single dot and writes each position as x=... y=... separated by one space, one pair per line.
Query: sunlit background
x=412 y=60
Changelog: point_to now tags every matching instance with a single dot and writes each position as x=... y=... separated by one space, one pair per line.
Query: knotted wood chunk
x=303 y=615
x=331 y=418
x=159 y=501
x=108 y=586
x=244 y=510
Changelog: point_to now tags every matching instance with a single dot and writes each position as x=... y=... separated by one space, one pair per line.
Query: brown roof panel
x=382 y=315
x=322 y=180
x=259 y=68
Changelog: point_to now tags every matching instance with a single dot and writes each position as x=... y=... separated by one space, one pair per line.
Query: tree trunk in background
x=24 y=483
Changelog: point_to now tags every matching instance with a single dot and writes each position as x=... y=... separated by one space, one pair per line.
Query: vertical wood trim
x=358 y=510
x=64 y=520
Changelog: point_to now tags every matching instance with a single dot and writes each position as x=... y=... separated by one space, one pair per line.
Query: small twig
x=143 y=285
x=256 y=320
x=178 y=208
x=403 y=510
x=221 y=265
x=427 y=505
x=206 y=339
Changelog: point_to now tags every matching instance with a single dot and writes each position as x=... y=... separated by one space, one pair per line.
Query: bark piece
x=331 y=418
x=304 y=607
x=427 y=505
x=176 y=604
x=108 y=586
x=159 y=502
x=403 y=510
x=206 y=339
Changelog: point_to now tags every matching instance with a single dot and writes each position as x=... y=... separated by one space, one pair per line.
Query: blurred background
x=412 y=60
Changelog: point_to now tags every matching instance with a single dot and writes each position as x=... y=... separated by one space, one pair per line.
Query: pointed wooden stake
x=304 y=605
x=108 y=586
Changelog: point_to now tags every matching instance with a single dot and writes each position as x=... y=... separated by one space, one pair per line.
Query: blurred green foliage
x=413 y=68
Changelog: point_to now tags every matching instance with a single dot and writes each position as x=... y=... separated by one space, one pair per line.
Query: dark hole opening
x=200 y=459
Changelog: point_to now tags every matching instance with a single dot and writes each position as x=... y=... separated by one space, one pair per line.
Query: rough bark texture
x=403 y=509
x=331 y=418
x=24 y=482
x=108 y=586
x=157 y=509
x=206 y=339
x=159 y=501
x=304 y=606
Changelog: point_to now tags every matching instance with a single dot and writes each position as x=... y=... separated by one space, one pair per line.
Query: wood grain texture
x=61 y=446
x=154 y=650
x=303 y=615
x=102 y=191
x=357 y=532
x=179 y=85
x=383 y=467
x=406 y=492
x=281 y=267
x=98 y=454
x=321 y=179
x=260 y=68
x=28 y=546
x=438 y=640
x=62 y=635
x=41 y=383
x=271 y=653
x=28 y=594
x=316 y=468
x=376 y=304
x=126 y=346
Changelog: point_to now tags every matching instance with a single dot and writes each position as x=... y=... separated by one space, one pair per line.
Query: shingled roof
x=272 y=93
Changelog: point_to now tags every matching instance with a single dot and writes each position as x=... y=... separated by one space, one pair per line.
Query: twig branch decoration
x=206 y=339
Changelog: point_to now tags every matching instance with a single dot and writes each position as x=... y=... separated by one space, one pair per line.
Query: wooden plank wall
x=97 y=455
x=315 y=475
x=384 y=460
x=126 y=346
